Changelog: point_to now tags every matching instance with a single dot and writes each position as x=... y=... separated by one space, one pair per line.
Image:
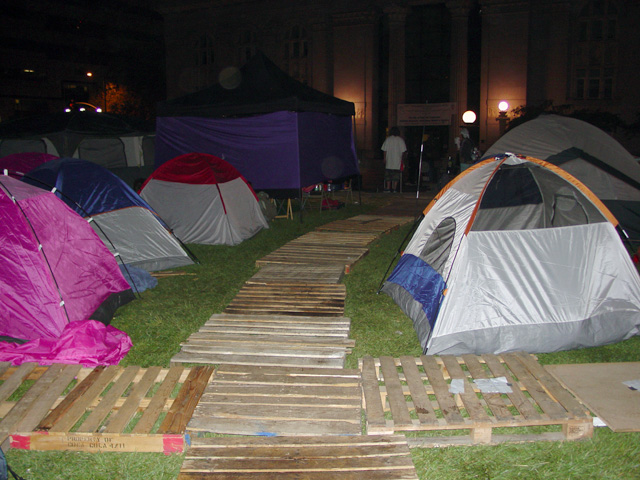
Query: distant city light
x=89 y=74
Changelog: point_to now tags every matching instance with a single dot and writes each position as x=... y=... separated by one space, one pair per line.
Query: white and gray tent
x=126 y=224
x=589 y=154
x=204 y=200
x=110 y=140
x=516 y=254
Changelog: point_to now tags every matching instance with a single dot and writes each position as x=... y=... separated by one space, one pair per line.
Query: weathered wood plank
x=37 y=401
x=206 y=339
x=121 y=418
x=446 y=401
x=183 y=406
x=69 y=411
x=301 y=361
x=395 y=395
x=494 y=400
x=559 y=393
x=14 y=381
x=335 y=375
x=471 y=403
x=104 y=408
x=371 y=392
x=158 y=402
x=266 y=427
x=518 y=399
x=308 y=457
x=420 y=398
x=546 y=403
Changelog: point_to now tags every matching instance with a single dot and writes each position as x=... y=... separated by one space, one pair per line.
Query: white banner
x=425 y=114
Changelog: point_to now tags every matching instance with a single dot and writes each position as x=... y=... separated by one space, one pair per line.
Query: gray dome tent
x=589 y=154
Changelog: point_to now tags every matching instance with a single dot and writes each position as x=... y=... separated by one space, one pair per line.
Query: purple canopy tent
x=279 y=133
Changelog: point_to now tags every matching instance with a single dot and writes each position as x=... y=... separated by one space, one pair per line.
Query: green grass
x=165 y=316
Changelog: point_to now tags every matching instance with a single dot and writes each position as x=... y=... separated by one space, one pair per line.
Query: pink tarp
x=88 y=343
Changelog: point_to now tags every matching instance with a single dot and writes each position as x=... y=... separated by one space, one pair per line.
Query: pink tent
x=23 y=163
x=54 y=270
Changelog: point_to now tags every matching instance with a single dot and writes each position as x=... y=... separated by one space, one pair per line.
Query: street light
x=469 y=116
x=503 y=120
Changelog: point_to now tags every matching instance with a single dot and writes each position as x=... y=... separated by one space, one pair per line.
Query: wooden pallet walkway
x=298 y=274
x=295 y=458
x=66 y=407
x=374 y=224
x=294 y=253
x=349 y=239
x=302 y=300
x=273 y=340
x=416 y=395
x=280 y=401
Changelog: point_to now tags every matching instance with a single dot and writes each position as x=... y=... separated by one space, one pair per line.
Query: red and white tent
x=204 y=200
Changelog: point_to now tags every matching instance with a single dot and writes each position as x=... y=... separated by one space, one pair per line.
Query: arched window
x=296 y=51
x=596 y=50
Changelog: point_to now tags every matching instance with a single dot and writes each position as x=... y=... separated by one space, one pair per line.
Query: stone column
x=355 y=65
x=397 y=18
x=458 y=78
x=321 y=57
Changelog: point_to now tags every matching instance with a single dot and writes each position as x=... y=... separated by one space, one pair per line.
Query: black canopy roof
x=258 y=87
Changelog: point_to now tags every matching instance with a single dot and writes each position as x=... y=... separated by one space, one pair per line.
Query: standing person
x=466 y=147
x=395 y=151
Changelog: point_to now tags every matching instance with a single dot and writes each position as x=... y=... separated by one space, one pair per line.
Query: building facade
x=381 y=54
x=378 y=54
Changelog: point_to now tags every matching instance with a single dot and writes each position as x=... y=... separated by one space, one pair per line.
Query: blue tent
x=124 y=221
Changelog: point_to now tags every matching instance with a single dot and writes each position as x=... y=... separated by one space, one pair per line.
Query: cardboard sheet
x=604 y=389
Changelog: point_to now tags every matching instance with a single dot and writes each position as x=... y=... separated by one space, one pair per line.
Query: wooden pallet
x=374 y=224
x=106 y=408
x=302 y=254
x=298 y=274
x=274 y=401
x=294 y=458
x=302 y=300
x=350 y=239
x=269 y=340
x=416 y=397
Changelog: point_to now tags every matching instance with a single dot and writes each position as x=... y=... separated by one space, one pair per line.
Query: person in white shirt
x=395 y=151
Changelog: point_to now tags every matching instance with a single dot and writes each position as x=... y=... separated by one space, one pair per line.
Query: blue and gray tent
x=124 y=221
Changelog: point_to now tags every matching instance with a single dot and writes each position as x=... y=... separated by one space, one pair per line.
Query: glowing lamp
x=469 y=116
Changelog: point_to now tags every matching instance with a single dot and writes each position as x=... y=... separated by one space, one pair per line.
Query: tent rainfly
x=204 y=200
x=589 y=154
x=516 y=254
